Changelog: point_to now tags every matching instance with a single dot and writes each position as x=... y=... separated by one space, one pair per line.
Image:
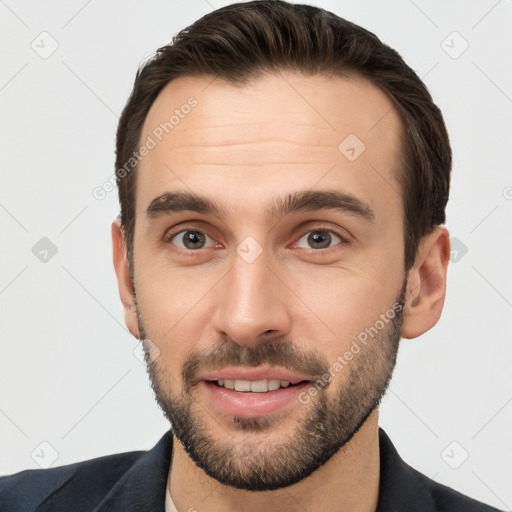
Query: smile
x=256 y=386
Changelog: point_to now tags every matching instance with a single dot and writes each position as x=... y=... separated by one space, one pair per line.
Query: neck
x=349 y=481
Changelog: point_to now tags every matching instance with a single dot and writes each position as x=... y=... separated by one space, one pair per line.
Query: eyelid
x=187 y=225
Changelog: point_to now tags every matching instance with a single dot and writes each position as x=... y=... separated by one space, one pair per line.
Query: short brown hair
x=242 y=41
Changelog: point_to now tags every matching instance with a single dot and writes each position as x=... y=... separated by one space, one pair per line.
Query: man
x=283 y=178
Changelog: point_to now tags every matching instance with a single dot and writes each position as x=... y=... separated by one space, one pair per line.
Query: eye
x=191 y=240
x=319 y=239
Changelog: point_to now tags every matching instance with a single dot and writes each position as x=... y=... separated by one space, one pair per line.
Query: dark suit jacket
x=136 y=481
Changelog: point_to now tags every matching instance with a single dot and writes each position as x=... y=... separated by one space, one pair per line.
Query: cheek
x=171 y=303
x=346 y=301
x=350 y=308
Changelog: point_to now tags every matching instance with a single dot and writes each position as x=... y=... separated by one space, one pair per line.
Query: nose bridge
x=251 y=301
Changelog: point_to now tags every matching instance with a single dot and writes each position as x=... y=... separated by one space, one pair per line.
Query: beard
x=329 y=423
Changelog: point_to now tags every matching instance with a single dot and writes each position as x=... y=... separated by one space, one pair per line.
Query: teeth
x=259 y=386
x=273 y=384
x=242 y=385
x=256 y=386
x=229 y=384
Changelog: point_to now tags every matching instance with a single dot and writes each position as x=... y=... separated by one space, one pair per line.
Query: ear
x=426 y=284
x=124 y=281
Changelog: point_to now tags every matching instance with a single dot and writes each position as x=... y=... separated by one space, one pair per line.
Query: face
x=268 y=258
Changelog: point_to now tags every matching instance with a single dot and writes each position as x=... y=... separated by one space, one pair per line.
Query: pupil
x=316 y=238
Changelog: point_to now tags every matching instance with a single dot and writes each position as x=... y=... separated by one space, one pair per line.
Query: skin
x=242 y=146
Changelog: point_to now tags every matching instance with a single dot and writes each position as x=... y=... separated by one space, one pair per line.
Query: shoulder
x=404 y=488
x=447 y=499
x=88 y=481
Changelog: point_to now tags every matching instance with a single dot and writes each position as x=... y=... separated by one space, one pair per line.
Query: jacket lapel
x=142 y=487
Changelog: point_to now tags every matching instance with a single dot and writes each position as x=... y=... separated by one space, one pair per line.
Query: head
x=283 y=177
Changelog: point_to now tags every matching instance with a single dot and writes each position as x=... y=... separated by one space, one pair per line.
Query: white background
x=69 y=376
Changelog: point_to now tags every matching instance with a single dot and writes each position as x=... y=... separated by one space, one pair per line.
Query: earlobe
x=426 y=284
x=124 y=280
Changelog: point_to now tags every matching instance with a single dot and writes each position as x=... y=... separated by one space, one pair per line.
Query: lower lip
x=249 y=404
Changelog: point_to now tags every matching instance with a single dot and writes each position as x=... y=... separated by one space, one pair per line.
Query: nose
x=252 y=301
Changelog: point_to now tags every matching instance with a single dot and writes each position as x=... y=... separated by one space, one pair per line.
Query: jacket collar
x=143 y=486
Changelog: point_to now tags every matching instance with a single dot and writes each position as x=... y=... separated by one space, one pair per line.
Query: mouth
x=253 y=392
x=254 y=386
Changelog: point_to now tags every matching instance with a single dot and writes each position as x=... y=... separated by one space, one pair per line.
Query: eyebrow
x=304 y=201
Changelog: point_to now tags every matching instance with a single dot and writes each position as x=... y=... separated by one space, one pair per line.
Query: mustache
x=264 y=352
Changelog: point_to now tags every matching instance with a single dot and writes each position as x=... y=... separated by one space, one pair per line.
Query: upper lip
x=259 y=373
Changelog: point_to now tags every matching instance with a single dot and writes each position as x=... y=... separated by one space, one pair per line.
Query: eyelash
x=169 y=237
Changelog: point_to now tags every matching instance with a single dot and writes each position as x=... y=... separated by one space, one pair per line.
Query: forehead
x=278 y=133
